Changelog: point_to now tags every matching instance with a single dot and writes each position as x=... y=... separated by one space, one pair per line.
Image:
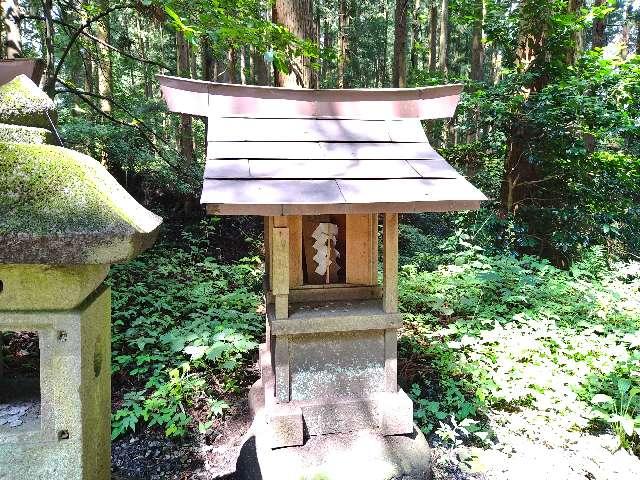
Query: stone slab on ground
x=345 y=456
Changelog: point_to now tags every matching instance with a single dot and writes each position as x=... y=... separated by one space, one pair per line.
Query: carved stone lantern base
x=69 y=435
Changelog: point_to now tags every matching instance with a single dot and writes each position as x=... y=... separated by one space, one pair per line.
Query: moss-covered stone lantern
x=63 y=221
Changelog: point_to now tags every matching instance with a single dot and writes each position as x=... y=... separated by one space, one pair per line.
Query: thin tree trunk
x=355 y=33
x=297 y=17
x=626 y=30
x=599 y=26
x=399 y=74
x=638 y=33
x=87 y=61
x=444 y=36
x=243 y=67
x=207 y=60
x=415 y=30
x=326 y=44
x=143 y=39
x=433 y=39
x=232 y=66
x=316 y=33
x=260 y=69
x=11 y=22
x=105 y=78
x=476 y=42
x=578 y=36
x=385 y=51
x=496 y=65
x=185 y=130
x=49 y=85
x=343 y=42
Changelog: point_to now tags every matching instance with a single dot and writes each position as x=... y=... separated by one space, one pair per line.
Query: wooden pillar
x=295 y=252
x=374 y=249
x=280 y=266
x=361 y=249
x=267 y=253
x=390 y=263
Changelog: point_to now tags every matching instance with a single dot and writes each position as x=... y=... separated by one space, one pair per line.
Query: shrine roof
x=277 y=151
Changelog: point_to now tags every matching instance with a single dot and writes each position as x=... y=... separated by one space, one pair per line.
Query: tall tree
x=243 y=66
x=626 y=30
x=297 y=17
x=49 y=48
x=638 y=33
x=415 y=30
x=232 y=65
x=208 y=62
x=384 y=74
x=537 y=53
x=185 y=131
x=11 y=21
x=599 y=26
x=476 y=41
x=578 y=36
x=433 y=39
x=260 y=69
x=343 y=41
x=444 y=37
x=105 y=73
x=399 y=74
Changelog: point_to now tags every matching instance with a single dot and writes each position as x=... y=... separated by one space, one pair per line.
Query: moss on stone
x=56 y=202
x=23 y=103
x=21 y=134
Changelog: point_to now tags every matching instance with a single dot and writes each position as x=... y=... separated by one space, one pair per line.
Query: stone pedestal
x=70 y=310
x=362 y=454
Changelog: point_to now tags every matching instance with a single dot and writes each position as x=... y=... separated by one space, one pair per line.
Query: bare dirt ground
x=153 y=457
x=526 y=446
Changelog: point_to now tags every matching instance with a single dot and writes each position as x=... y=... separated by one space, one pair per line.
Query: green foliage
x=125 y=149
x=232 y=24
x=184 y=328
x=622 y=410
x=500 y=332
x=584 y=134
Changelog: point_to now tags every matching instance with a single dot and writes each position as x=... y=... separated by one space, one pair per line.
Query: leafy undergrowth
x=482 y=334
x=488 y=333
x=185 y=328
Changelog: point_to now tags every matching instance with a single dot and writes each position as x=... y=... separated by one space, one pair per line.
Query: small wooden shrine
x=321 y=166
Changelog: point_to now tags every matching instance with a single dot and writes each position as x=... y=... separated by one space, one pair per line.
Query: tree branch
x=79 y=31
x=533 y=182
x=102 y=42
x=84 y=96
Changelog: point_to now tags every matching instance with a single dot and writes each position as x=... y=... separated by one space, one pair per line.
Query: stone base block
x=285 y=425
x=387 y=413
x=397 y=414
x=346 y=456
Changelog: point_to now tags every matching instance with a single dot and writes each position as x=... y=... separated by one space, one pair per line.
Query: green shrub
x=184 y=329
x=498 y=331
